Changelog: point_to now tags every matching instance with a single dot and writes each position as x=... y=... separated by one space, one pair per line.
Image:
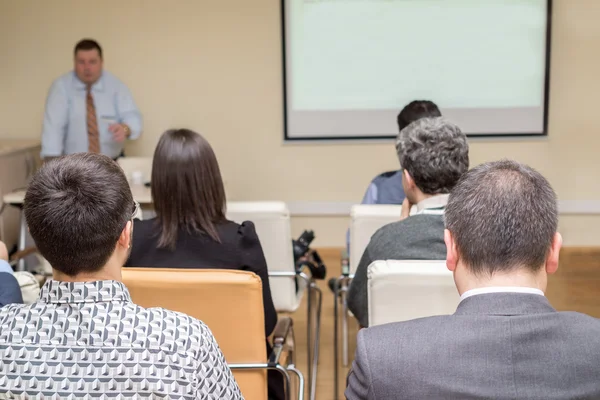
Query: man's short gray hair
x=503 y=216
x=435 y=153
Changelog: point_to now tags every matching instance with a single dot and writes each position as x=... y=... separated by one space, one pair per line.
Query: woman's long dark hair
x=187 y=188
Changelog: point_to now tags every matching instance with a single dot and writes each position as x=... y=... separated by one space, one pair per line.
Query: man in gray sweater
x=433 y=154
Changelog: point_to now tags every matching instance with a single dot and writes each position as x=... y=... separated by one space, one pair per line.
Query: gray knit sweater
x=419 y=237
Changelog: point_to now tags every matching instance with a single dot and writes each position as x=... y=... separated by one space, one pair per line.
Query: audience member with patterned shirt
x=84 y=338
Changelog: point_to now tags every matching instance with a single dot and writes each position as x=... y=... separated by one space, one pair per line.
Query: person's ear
x=125 y=237
x=451 y=251
x=408 y=180
x=553 y=254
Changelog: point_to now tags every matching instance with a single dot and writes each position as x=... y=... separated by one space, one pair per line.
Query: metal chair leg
x=336 y=298
x=309 y=334
x=317 y=321
x=292 y=368
x=278 y=367
x=288 y=382
x=344 y=327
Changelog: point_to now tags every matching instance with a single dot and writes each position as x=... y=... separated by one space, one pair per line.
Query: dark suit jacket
x=239 y=249
x=496 y=346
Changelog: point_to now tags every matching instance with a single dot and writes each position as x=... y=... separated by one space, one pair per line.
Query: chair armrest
x=281 y=333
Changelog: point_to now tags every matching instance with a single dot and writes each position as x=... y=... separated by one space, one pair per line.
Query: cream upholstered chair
x=230 y=303
x=365 y=220
x=272 y=222
x=399 y=290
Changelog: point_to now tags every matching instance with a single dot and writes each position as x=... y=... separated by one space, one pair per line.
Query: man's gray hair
x=503 y=216
x=435 y=153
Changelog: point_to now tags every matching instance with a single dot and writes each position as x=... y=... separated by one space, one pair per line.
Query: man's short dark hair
x=88 y=44
x=503 y=216
x=415 y=110
x=435 y=153
x=76 y=207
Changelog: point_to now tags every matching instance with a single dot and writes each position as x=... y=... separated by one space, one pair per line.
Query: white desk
x=140 y=193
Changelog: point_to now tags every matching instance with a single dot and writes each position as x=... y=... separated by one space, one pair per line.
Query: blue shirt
x=10 y=290
x=385 y=188
x=65 y=119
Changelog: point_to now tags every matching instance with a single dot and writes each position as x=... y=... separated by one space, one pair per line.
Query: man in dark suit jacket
x=505 y=340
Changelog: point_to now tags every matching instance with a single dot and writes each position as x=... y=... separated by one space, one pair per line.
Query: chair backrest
x=272 y=222
x=229 y=302
x=366 y=219
x=129 y=165
x=399 y=290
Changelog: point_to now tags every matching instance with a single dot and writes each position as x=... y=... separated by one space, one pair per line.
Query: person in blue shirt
x=89 y=109
x=10 y=290
x=386 y=188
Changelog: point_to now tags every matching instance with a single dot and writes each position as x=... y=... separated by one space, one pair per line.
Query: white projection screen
x=351 y=65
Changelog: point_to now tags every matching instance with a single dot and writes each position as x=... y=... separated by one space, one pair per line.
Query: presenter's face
x=88 y=65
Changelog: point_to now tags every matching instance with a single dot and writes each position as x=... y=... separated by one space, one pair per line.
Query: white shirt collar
x=437 y=201
x=500 y=289
x=98 y=85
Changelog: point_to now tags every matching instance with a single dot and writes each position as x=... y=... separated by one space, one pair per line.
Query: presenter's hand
x=406 y=206
x=120 y=132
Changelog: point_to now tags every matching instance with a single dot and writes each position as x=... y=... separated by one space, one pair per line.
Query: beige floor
x=576 y=287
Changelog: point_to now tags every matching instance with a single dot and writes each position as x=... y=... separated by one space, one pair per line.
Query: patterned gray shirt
x=87 y=340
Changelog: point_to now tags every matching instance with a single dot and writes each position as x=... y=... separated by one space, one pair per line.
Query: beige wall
x=215 y=66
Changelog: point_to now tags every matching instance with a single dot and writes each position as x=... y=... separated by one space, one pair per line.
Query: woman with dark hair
x=190 y=229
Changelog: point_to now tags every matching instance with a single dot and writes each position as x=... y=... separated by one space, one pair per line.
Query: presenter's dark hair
x=76 y=208
x=187 y=188
x=88 y=44
x=415 y=110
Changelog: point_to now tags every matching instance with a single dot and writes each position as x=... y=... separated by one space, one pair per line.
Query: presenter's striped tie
x=92 y=124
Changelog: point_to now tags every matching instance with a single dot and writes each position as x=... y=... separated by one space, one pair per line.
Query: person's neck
x=418 y=196
x=111 y=271
x=466 y=281
x=88 y=84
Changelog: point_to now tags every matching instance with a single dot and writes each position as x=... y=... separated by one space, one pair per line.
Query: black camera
x=304 y=256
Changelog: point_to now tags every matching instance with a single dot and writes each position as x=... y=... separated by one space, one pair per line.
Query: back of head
x=187 y=188
x=435 y=153
x=503 y=216
x=416 y=110
x=76 y=208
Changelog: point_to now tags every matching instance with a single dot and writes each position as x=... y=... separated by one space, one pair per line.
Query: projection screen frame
x=375 y=137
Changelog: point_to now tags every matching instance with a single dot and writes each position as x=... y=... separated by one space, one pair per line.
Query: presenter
x=89 y=109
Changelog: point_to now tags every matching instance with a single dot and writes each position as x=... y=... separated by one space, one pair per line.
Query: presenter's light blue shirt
x=65 y=119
